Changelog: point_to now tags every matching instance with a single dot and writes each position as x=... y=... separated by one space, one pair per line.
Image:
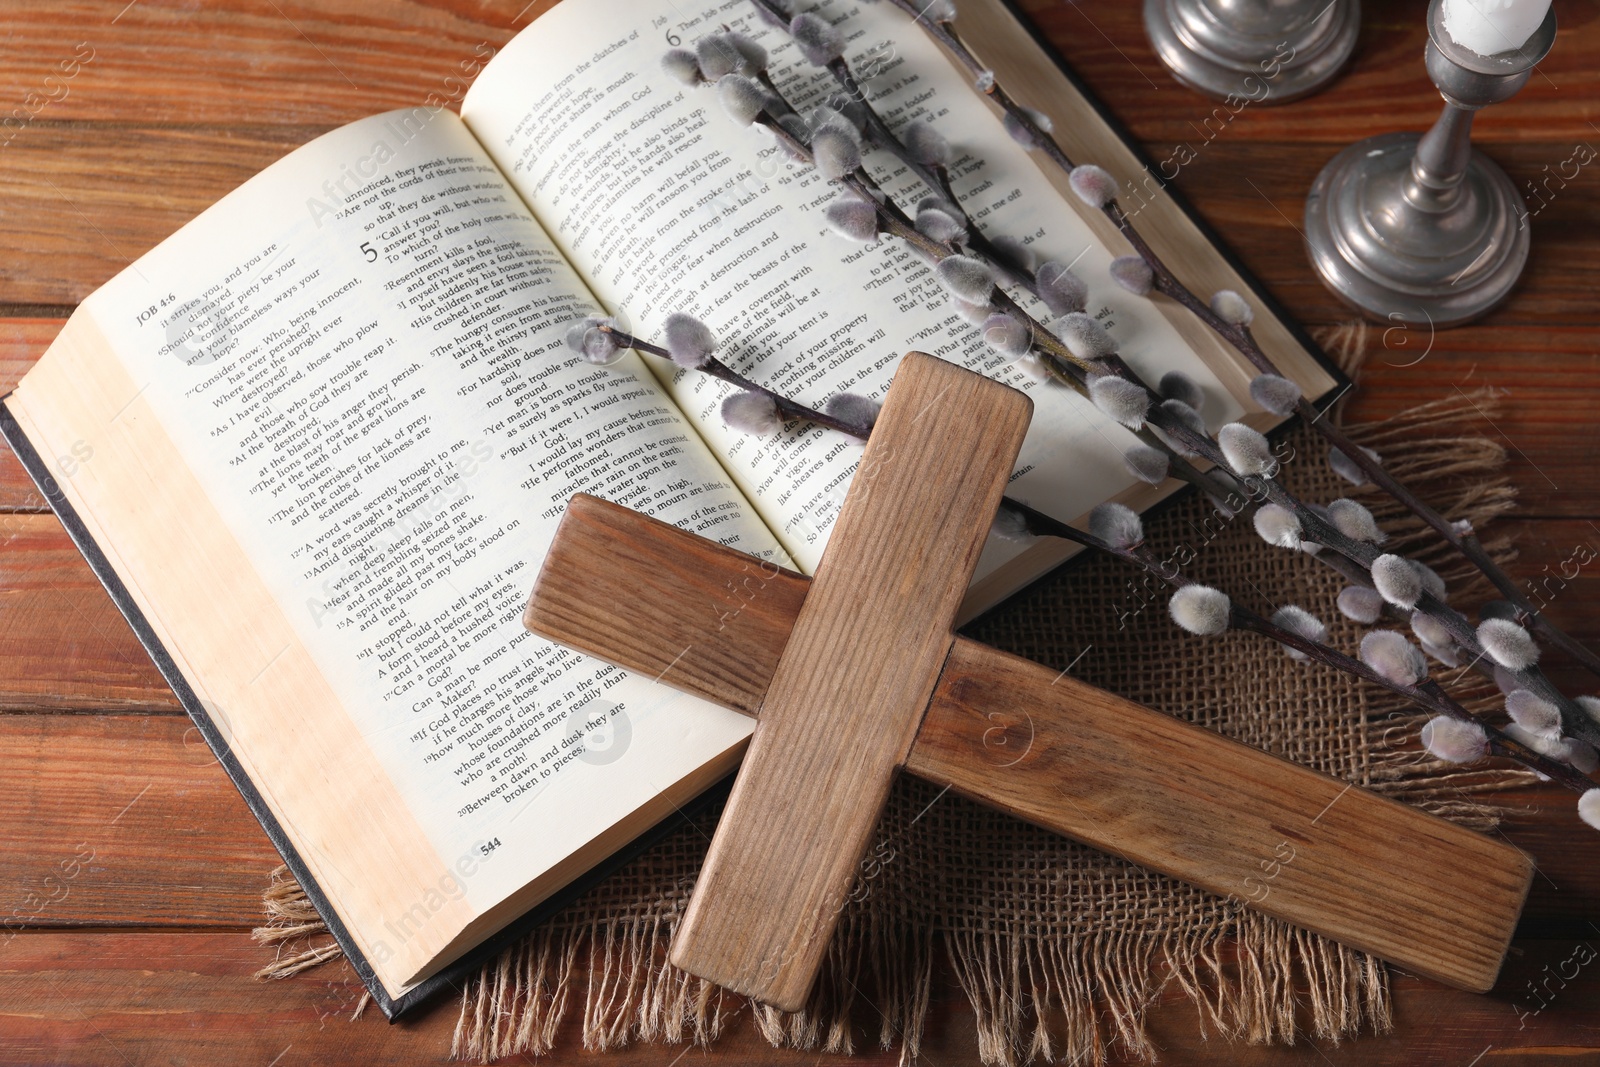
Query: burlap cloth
x=1060 y=948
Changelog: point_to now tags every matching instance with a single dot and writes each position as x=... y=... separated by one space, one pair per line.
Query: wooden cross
x=856 y=675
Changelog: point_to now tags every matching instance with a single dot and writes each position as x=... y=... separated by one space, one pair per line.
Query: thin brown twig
x=1425 y=694
x=789 y=409
x=1240 y=336
x=1064 y=366
x=935 y=178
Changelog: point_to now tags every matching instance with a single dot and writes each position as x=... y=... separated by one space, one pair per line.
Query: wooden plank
x=84 y=203
x=93 y=999
x=22 y=342
x=297 y=63
x=597 y=609
x=116 y=998
x=63 y=644
x=1362 y=869
x=1548 y=394
x=852 y=683
x=1367 y=871
x=243 y=62
x=123 y=819
x=1565 y=897
x=16 y=489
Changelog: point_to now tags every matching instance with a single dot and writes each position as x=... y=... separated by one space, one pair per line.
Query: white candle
x=1490 y=26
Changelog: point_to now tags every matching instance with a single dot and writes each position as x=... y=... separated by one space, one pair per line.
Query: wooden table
x=144 y=955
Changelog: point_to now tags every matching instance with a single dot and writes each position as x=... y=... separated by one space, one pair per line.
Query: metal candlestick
x=1268 y=51
x=1411 y=229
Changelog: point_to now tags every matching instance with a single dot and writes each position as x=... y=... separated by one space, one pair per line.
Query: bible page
x=355 y=364
x=665 y=205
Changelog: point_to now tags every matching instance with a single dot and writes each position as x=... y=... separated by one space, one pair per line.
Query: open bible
x=316 y=443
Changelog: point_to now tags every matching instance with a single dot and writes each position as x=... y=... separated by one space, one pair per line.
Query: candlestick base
x=1264 y=51
x=1396 y=264
x=1426 y=229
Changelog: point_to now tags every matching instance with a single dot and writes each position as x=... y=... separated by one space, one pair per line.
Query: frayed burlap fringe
x=1061 y=950
x=292 y=918
x=1085 y=1000
x=631 y=993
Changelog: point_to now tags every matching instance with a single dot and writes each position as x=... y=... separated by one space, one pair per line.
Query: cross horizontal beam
x=1430 y=896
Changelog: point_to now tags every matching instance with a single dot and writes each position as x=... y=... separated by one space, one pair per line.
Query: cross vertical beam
x=1365 y=870
x=854 y=681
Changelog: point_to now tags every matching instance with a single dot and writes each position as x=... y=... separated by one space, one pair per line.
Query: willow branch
x=1426 y=694
x=1241 y=338
x=935 y=178
x=789 y=409
x=1064 y=366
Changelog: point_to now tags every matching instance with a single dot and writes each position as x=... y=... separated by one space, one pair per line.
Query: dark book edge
x=457 y=974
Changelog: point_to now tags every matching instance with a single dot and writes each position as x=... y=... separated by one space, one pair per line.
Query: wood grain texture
x=1366 y=871
x=281 y=63
x=22 y=342
x=1361 y=869
x=133 y=823
x=182 y=103
x=17 y=492
x=63 y=644
x=720 y=638
x=113 y=998
x=852 y=683
x=1547 y=384
x=76 y=189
